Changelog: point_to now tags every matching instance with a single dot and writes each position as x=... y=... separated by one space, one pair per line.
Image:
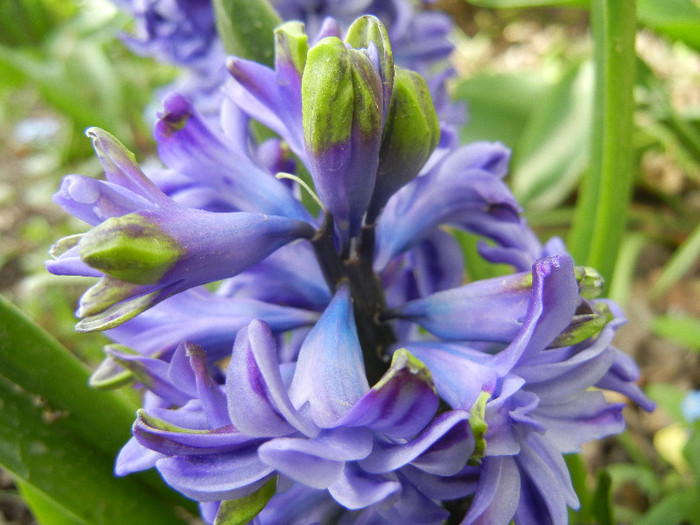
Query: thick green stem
x=599 y=221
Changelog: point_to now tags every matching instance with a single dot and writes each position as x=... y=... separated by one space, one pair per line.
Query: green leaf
x=577 y=470
x=599 y=221
x=680 y=263
x=645 y=478
x=692 y=453
x=625 y=268
x=552 y=152
x=62 y=437
x=44 y=509
x=668 y=398
x=38 y=445
x=242 y=510
x=601 y=504
x=678 y=507
x=499 y=105
x=681 y=329
x=246 y=28
x=500 y=4
x=678 y=19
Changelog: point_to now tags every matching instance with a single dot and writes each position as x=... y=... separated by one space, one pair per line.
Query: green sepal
x=411 y=133
x=61 y=246
x=479 y=426
x=327 y=95
x=369 y=29
x=367 y=115
x=291 y=42
x=242 y=510
x=106 y=292
x=130 y=248
x=405 y=360
x=160 y=424
x=590 y=282
x=110 y=375
x=584 y=325
x=112 y=314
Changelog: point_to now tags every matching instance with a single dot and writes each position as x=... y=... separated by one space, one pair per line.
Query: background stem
x=599 y=220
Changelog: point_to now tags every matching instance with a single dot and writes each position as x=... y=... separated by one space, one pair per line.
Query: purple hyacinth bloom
x=540 y=404
x=340 y=370
x=146 y=246
x=316 y=422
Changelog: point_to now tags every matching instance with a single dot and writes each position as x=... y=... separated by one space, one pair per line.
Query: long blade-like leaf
x=61 y=436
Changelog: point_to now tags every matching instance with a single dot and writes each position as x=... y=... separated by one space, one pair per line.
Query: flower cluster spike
x=330 y=364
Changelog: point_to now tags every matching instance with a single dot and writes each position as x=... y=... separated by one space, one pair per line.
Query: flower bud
x=130 y=248
x=342 y=120
x=411 y=133
x=588 y=321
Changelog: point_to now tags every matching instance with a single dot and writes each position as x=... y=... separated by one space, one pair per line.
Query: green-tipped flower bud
x=479 y=428
x=586 y=323
x=291 y=45
x=342 y=121
x=411 y=133
x=130 y=248
x=590 y=282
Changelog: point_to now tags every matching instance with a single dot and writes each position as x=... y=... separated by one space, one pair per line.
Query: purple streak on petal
x=438 y=263
x=299 y=505
x=258 y=403
x=329 y=27
x=153 y=373
x=178 y=442
x=209 y=393
x=355 y=489
x=189 y=416
x=180 y=371
x=470 y=198
x=399 y=406
x=204 y=318
x=330 y=374
x=289 y=276
x=387 y=457
x=220 y=245
x=501 y=437
x=215 y=477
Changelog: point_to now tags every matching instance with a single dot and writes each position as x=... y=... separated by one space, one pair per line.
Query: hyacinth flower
x=340 y=370
x=316 y=422
x=183 y=33
x=145 y=246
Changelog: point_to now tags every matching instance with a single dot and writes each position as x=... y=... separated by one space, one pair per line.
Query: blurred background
x=527 y=78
